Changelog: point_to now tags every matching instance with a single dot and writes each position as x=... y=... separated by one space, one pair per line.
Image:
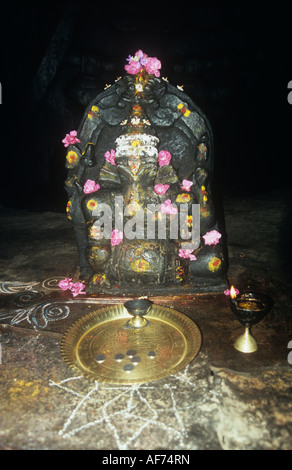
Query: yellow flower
x=135 y=143
x=68 y=209
x=93 y=112
x=91 y=204
x=183 y=198
x=72 y=159
x=183 y=109
x=204 y=212
x=95 y=233
x=214 y=264
x=140 y=265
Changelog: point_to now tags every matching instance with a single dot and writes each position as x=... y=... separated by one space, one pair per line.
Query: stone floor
x=223 y=400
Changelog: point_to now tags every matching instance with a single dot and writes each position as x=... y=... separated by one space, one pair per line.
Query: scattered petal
x=77 y=288
x=65 y=284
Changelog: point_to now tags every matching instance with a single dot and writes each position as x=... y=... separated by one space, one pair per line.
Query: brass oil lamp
x=249 y=308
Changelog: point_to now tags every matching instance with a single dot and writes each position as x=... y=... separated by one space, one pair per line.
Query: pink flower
x=77 y=288
x=90 y=186
x=117 y=237
x=65 y=284
x=136 y=63
x=164 y=158
x=133 y=67
x=212 y=238
x=186 y=185
x=152 y=66
x=140 y=60
x=161 y=188
x=228 y=291
x=111 y=157
x=168 y=208
x=70 y=139
x=187 y=254
x=142 y=57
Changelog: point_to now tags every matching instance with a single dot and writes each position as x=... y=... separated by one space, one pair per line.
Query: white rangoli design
x=132 y=409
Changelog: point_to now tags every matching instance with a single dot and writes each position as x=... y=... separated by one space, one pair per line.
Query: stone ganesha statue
x=140 y=188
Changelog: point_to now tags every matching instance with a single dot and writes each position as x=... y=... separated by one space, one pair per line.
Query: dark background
x=234 y=61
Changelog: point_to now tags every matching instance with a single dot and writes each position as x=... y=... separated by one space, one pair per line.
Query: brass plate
x=102 y=347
